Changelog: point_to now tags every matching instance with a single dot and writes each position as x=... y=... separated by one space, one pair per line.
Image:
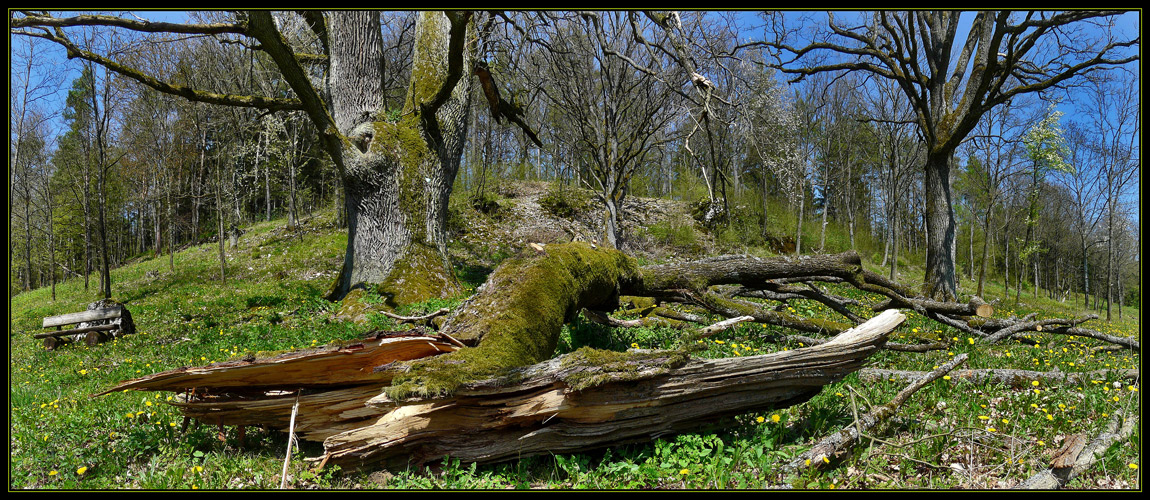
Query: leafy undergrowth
x=951 y=434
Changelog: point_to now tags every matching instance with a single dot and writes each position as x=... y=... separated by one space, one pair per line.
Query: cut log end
x=984 y=310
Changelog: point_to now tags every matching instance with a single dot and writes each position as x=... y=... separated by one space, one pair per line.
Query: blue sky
x=1129 y=23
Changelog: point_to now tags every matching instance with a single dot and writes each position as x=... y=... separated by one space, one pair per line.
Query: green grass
x=61 y=438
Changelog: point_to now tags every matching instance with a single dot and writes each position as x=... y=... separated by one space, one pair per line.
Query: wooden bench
x=92 y=335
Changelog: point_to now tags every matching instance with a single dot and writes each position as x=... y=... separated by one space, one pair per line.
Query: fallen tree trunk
x=590 y=399
x=484 y=387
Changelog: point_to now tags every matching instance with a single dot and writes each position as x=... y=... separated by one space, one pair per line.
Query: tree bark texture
x=397 y=175
x=940 y=282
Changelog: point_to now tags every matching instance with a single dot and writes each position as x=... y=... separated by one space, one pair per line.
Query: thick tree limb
x=189 y=93
x=1032 y=326
x=975 y=307
x=1006 y=376
x=484 y=388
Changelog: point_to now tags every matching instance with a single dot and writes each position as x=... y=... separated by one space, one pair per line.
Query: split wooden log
x=823 y=451
x=1073 y=462
x=591 y=399
x=339 y=365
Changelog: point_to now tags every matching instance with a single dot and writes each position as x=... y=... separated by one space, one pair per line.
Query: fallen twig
x=821 y=452
x=412 y=319
x=291 y=437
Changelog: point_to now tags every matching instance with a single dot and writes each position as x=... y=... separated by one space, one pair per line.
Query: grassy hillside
x=950 y=435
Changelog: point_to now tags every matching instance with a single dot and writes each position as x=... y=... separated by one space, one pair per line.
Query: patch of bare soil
x=520 y=219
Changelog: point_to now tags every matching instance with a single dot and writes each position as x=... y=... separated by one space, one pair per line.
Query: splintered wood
x=543 y=413
x=549 y=407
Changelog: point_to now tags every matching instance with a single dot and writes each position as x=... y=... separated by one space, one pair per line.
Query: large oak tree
x=397 y=168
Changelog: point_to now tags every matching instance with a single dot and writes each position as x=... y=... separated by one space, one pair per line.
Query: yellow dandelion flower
x=52 y=473
x=775 y=418
x=759 y=419
x=1034 y=383
x=685 y=471
x=81 y=470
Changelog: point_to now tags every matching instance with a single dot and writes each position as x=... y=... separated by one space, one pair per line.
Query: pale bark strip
x=1007 y=376
x=1120 y=428
x=821 y=453
x=291 y=438
x=724 y=325
x=937 y=346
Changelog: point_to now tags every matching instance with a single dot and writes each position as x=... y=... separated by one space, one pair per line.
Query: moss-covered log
x=738 y=270
x=515 y=318
x=589 y=399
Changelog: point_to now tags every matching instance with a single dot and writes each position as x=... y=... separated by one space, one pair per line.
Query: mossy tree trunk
x=397 y=172
x=397 y=175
